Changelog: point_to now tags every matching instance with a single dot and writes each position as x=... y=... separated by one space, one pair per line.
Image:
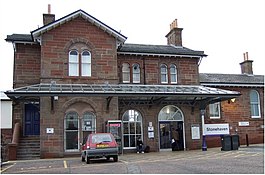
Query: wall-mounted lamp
x=56 y=98
x=233 y=100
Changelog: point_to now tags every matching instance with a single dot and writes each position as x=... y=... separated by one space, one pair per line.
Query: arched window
x=163 y=72
x=71 y=126
x=136 y=73
x=125 y=73
x=170 y=112
x=173 y=74
x=86 y=63
x=73 y=63
x=255 y=104
x=132 y=128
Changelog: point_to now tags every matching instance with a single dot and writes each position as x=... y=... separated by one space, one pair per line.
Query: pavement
x=247 y=160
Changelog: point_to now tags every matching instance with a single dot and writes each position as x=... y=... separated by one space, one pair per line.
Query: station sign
x=216 y=129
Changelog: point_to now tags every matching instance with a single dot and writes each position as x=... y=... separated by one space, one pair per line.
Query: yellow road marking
x=65 y=164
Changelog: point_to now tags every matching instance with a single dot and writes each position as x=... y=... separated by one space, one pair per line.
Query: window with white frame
x=215 y=111
x=136 y=73
x=86 y=63
x=173 y=74
x=73 y=63
x=163 y=73
x=255 y=104
x=125 y=73
x=132 y=128
x=79 y=64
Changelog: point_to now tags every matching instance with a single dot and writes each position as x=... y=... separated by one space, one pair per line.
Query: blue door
x=32 y=120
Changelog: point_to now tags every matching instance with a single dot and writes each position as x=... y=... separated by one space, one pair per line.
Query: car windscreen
x=101 y=138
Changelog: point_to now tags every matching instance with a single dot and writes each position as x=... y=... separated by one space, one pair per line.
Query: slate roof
x=121 y=38
x=168 y=50
x=19 y=38
x=246 y=80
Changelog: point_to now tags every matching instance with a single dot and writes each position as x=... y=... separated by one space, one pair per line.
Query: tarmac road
x=246 y=160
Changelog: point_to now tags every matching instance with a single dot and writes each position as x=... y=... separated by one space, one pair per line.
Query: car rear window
x=100 y=138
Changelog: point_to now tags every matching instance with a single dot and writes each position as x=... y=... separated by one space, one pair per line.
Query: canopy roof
x=128 y=93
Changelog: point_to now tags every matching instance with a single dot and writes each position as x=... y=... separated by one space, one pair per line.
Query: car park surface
x=246 y=160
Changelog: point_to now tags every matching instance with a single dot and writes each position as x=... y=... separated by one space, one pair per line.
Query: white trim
x=160 y=55
x=231 y=85
x=81 y=13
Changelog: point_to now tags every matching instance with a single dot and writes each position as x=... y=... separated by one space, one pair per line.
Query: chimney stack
x=174 y=36
x=48 y=18
x=246 y=65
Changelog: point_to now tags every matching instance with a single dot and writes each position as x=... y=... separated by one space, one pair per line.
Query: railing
x=12 y=147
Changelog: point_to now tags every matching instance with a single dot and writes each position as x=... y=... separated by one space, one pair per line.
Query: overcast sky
x=223 y=29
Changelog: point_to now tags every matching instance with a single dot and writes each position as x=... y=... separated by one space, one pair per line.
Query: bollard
x=247 y=140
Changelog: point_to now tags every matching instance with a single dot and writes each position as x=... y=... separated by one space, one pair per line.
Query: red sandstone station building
x=76 y=75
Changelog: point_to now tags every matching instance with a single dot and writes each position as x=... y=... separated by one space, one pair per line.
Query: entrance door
x=31 y=120
x=165 y=129
x=165 y=132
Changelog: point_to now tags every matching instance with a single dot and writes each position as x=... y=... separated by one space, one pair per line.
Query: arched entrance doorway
x=170 y=118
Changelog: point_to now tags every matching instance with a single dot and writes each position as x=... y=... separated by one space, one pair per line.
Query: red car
x=99 y=145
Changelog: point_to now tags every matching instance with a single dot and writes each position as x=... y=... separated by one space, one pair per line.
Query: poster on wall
x=195 y=132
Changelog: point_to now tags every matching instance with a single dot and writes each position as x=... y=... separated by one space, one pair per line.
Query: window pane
x=126 y=140
x=136 y=73
x=214 y=110
x=132 y=141
x=132 y=128
x=71 y=140
x=254 y=103
x=73 y=63
x=173 y=73
x=163 y=72
x=86 y=69
x=253 y=96
x=125 y=73
x=73 y=69
x=254 y=110
x=86 y=64
x=125 y=128
x=138 y=128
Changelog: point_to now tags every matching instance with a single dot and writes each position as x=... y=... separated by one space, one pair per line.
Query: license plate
x=102 y=146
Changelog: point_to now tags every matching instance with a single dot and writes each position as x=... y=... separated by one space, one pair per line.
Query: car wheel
x=87 y=160
x=115 y=158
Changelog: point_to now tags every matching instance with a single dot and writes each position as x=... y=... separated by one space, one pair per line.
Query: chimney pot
x=49 y=8
x=48 y=18
x=174 y=36
x=246 y=65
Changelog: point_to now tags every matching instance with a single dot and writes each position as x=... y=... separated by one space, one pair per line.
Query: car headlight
x=87 y=147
